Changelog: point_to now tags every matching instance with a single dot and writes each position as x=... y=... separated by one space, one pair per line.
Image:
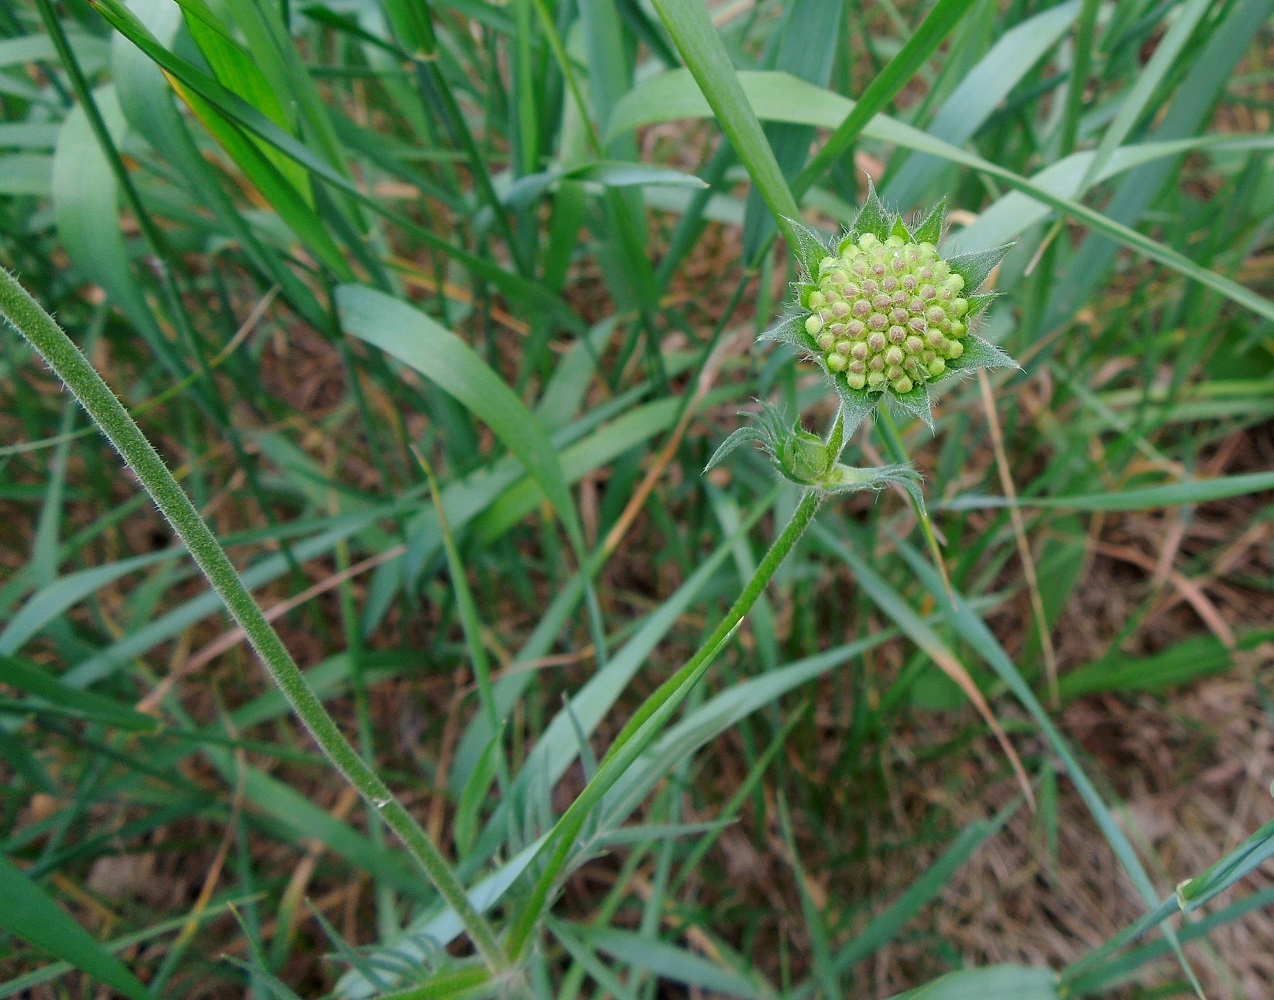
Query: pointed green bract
x=789 y=330
x=979 y=353
x=930 y=229
x=873 y=218
x=810 y=247
x=976 y=267
x=977 y=303
x=855 y=404
x=917 y=403
x=744 y=435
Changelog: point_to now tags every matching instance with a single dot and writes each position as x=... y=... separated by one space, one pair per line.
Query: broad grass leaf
x=996 y=982
x=447 y=361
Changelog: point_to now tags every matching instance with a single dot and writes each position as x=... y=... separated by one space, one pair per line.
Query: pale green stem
x=101 y=404
x=642 y=729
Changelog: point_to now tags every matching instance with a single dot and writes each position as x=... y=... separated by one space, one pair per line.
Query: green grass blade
x=1187 y=115
x=975 y=632
x=83 y=704
x=1085 y=981
x=996 y=982
x=448 y=362
x=808 y=40
x=979 y=93
x=29 y=913
x=252 y=121
x=670 y=963
x=1238 y=864
x=1182 y=663
x=885 y=85
x=22 y=985
x=779 y=97
x=1143 y=498
x=49 y=602
x=1135 y=104
x=241 y=74
x=85 y=206
x=888 y=924
x=691 y=29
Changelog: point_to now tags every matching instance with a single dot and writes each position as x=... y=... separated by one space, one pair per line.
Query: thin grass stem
x=898 y=452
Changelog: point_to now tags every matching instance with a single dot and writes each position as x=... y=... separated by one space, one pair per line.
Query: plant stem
x=101 y=404
x=649 y=721
x=791 y=534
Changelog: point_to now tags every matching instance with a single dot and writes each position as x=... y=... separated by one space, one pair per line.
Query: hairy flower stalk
x=60 y=353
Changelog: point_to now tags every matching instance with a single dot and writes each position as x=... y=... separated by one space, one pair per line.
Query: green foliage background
x=437 y=311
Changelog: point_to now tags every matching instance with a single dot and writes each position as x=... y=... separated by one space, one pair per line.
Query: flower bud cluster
x=888 y=314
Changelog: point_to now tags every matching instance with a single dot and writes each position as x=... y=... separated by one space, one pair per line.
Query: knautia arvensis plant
x=885 y=316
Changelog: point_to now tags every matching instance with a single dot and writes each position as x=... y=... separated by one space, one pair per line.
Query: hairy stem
x=649 y=721
x=101 y=404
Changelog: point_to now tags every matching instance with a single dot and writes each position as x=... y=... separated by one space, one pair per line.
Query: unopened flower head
x=810 y=461
x=887 y=315
x=884 y=314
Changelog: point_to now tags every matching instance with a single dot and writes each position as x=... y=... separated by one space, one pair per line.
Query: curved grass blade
x=237 y=110
x=692 y=31
x=780 y=97
x=980 y=92
x=975 y=632
x=1144 y=498
x=923 y=43
x=85 y=207
x=996 y=982
x=447 y=361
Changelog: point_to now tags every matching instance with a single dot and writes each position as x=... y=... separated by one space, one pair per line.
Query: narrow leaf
x=447 y=361
x=29 y=913
x=811 y=246
x=975 y=267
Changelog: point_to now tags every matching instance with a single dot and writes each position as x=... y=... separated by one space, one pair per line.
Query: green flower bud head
x=885 y=314
x=803 y=456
